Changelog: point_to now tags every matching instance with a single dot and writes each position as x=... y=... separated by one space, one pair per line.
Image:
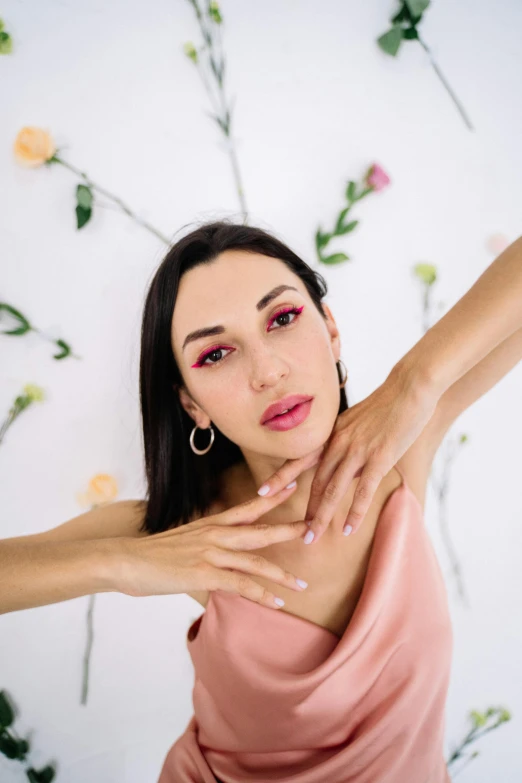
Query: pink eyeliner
x=295 y=310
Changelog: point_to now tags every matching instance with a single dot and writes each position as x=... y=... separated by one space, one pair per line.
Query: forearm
x=37 y=574
x=489 y=313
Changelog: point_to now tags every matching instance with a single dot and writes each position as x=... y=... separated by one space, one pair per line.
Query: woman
x=328 y=690
x=348 y=681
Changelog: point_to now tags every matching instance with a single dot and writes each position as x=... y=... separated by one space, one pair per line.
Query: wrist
x=112 y=564
x=417 y=378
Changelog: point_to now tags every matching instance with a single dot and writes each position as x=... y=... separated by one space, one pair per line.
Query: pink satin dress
x=278 y=698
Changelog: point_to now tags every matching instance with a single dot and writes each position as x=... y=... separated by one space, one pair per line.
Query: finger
x=333 y=494
x=254 y=563
x=243 y=585
x=289 y=471
x=371 y=477
x=330 y=461
x=316 y=496
x=243 y=513
x=255 y=536
x=253 y=508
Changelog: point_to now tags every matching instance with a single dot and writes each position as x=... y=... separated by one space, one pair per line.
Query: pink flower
x=377 y=178
x=497 y=243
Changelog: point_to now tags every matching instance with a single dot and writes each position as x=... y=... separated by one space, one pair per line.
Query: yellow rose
x=102 y=489
x=33 y=146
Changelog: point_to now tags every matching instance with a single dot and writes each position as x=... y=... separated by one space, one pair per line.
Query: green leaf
x=402 y=16
x=410 y=34
x=417 y=7
x=321 y=240
x=6 y=711
x=340 y=219
x=348 y=227
x=10 y=747
x=24 y=327
x=84 y=196
x=336 y=258
x=219 y=121
x=351 y=191
x=66 y=350
x=391 y=41
x=16 y=332
x=45 y=775
x=82 y=216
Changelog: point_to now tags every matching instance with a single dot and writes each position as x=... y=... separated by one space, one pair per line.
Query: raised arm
x=79 y=557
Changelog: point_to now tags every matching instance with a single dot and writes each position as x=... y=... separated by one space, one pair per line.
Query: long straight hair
x=182 y=485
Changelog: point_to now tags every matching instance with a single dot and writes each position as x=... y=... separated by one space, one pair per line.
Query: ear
x=333 y=332
x=192 y=408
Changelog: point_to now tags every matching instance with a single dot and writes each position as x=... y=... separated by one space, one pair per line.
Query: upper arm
x=481 y=377
x=110 y=520
x=416 y=462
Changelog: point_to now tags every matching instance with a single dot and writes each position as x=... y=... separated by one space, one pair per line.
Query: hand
x=205 y=554
x=367 y=440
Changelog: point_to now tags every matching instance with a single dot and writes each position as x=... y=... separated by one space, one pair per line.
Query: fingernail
x=347 y=529
x=263 y=490
x=292 y=484
x=279 y=601
x=301 y=582
x=309 y=537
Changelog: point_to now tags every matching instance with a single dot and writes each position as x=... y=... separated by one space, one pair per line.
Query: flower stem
x=446 y=85
x=121 y=204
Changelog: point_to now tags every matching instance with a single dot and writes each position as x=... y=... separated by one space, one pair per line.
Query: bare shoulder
x=109 y=520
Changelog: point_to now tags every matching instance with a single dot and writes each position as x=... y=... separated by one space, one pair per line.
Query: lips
x=287 y=403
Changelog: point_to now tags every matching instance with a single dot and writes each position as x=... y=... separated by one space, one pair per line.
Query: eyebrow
x=209 y=331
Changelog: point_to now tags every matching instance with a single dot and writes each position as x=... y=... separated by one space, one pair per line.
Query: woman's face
x=260 y=355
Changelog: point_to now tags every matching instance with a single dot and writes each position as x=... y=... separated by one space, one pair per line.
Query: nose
x=267 y=370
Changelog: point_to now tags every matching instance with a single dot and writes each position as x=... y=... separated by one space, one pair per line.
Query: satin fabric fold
x=279 y=698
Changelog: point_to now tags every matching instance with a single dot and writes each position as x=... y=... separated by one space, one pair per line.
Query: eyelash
x=291 y=310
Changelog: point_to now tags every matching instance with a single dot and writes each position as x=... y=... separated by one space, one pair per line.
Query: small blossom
x=102 y=488
x=377 y=178
x=214 y=12
x=35 y=393
x=496 y=243
x=190 y=51
x=33 y=147
x=478 y=718
x=426 y=272
x=6 y=42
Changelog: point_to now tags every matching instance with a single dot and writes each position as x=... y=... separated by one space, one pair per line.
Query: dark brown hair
x=180 y=483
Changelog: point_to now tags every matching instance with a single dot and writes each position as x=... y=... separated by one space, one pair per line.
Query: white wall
x=315 y=103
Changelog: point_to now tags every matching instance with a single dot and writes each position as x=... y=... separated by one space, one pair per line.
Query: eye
x=295 y=311
x=202 y=361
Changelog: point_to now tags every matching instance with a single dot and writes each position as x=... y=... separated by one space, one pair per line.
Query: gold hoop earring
x=343 y=380
x=194 y=448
